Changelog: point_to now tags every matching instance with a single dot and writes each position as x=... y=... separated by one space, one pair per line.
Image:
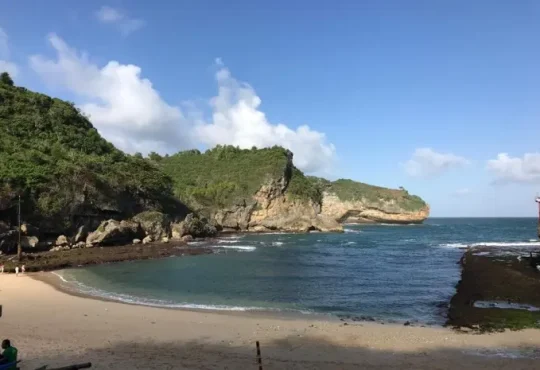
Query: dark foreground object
x=70 y=367
x=46 y=261
x=496 y=279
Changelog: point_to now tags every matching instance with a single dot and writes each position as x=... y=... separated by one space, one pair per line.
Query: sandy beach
x=55 y=328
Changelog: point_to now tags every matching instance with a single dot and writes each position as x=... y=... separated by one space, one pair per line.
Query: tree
x=155 y=157
x=5 y=78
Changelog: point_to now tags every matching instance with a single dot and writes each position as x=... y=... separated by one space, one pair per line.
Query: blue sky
x=419 y=94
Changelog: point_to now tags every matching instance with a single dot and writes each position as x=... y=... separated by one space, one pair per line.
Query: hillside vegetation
x=225 y=175
x=349 y=190
x=56 y=160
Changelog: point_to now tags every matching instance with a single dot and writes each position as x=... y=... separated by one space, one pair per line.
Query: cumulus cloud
x=5 y=64
x=426 y=162
x=124 y=107
x=515 y=169
x=128 y=111
x=122 y=21
x=238 y=120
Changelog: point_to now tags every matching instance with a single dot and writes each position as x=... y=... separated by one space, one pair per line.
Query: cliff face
x=349 y=201
x=271 y=194
x=363 y=211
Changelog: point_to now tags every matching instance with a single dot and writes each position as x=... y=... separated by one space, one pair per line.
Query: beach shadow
x=288 y=353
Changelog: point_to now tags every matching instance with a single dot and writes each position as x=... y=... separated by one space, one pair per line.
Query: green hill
x=64 y=170
x=226 y=176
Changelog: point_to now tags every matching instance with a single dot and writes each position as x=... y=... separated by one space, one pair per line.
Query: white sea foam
x=60 y=276
x=531 y=243
x=228 y=241
x=453 y=245
x=277 y=244
x=352 y=231
x=507 y=244
x=246 y=248
x=350 y=243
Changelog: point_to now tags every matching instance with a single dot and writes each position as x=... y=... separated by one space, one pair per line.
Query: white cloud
x=237 y=120
x=125 y=24
x=426 y=162
x=124 y=107
x=462 y=192
x=128 y=111
x=515 y=169
x=5 y=64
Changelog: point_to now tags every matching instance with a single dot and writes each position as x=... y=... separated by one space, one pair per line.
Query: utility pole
x=19 y=247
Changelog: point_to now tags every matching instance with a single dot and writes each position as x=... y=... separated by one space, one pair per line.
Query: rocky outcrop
x=154 y=224
x=193 y=225
x=365 y=211
x=114 y=232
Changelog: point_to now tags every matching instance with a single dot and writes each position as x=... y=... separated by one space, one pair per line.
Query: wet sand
x=51 y=327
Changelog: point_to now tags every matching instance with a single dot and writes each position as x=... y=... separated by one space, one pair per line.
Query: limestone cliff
x=261 y=190
x=283 y=201
x=348 y=201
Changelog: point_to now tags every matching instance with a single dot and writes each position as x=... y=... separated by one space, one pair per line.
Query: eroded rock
x=114 y=232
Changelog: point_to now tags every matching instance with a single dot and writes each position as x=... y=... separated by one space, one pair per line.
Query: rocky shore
x=499 y=289
x=48 y=261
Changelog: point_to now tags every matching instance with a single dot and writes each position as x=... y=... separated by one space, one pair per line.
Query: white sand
x=51 y=327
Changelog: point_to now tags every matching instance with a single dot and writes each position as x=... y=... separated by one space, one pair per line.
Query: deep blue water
x=381 y=271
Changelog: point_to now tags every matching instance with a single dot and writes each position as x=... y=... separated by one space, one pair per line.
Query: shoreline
x=53 y=280
x=54 y=328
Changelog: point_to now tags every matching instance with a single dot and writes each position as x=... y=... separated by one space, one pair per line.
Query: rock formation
x=365 y=211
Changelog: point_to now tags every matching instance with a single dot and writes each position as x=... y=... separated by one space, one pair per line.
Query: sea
x=388 y=273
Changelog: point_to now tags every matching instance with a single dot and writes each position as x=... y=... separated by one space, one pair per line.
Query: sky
x=440 y=97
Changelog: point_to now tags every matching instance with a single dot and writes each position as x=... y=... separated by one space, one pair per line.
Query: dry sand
x=52 y=327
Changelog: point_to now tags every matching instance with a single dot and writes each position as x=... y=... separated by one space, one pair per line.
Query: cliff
x=66 y=174
x=349 y=201
x=247 y=189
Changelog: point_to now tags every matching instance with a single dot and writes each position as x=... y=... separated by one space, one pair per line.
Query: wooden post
x=259 y=359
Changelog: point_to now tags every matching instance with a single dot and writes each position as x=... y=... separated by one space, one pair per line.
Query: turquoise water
x=384 y=272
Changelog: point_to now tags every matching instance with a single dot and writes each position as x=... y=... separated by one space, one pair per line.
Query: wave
x=352 y=231
x=350 y=243
x=491 y=244
x=246 y=248
x=277 y=244
x=60 y=276
x=230 y=241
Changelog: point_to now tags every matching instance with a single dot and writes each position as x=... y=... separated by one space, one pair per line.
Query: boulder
x=61 y=240
x=155 y=224
x=8 y=241
x=29 y=230
x=136 y=241
x=4 y=227
x=80 y=244
x=114 y=232
x=147 y=239
x=165 y=240
x=81 y=235
x=187 y=238
x=29 y=241
x=194 y=226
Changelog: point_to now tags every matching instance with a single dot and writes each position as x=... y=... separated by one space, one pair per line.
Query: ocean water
x=384 y=272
